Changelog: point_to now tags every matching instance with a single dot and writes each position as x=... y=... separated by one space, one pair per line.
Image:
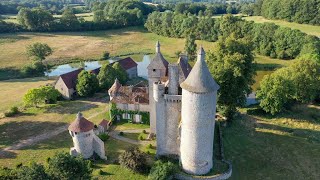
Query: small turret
x=158 y=47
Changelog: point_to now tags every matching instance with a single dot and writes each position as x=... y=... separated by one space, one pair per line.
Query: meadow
x=306 y=28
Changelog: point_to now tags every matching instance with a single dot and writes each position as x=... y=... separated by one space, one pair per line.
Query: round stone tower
x=199 y=97
x=82 y=134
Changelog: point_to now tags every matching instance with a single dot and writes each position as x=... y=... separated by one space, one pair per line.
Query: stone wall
x=132 y=72
x=134 y=107
x=82 y=142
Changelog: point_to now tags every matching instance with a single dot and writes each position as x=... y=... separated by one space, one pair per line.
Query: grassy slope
x=12 y=91
x=283 y=147
x=87 y=45
x=309 y=29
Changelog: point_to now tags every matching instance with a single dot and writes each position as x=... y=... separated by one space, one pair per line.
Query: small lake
x=65 y=68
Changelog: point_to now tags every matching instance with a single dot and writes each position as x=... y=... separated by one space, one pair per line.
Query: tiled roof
x=131 y=95
x=115 y=87
x=70 y=78
x=81 y=124
x=104 y=123
x=127 y=63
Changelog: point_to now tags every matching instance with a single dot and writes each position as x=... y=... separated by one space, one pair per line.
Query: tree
x=134 y=159
x=276 y=91
x=69 y=20
x=35 y=19
x=305 y=76
x=232 y=66
x=190 y=46
x=44 y=94
x=106 y=76
x=39 y=51
x=31 y=172
x=121 y=73
x=87 y=84
x=98 y=16
x=65 y=166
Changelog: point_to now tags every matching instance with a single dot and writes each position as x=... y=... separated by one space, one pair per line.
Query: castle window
x=154 y=70
x=72 y=133
x=75 y=133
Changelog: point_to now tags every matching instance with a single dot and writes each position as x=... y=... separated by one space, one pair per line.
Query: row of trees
x=268 y=39
x=60 y=166
x=300 y=11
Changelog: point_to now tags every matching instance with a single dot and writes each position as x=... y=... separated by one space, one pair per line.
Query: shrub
x=134 y=160
x=121 y=133
x=140 y=137
x=13 y=111
x=144 y=131
x=105 y=55
x=104 y=137
x=149 y=146
x=162 y=170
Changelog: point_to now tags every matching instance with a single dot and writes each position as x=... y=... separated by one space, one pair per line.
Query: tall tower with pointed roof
x=199 y=97
x=157 y=69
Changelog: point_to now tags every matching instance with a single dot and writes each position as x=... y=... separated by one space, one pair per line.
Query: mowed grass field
x=12 y=91
x=88 y=45
x=306 y=28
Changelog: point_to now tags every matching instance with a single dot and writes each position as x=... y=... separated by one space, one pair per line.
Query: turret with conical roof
x=157 y=69
x=198 y=107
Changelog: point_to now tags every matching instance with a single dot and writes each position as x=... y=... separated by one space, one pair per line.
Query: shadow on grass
x=14 y=131
x=268 y=67
x=69 y=107
x=7 y=154
x=258 y=153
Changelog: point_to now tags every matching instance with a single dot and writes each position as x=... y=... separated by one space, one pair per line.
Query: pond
x=65 y=68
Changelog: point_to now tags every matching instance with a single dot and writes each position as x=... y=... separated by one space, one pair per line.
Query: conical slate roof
x=81 y=124
x=200 y=79
x=158 y=61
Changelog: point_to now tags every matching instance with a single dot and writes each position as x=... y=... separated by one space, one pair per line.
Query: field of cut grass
x=87 y=45
x=309 y=29
x=286 y=146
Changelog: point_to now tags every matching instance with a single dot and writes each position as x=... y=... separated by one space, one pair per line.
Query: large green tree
x=106 y=76
x=37 y=96
x=121 y=73
x=39 y=51
x=232 y=66
x=69 y=20
x=87 y=84
x=31 y=172
x=35 y=19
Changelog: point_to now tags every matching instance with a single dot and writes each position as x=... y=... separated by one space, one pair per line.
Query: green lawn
x=309 y=29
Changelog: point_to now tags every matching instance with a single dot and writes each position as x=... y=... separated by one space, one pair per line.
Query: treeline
x=268 y=39
x=13 y=6
x=300 y=11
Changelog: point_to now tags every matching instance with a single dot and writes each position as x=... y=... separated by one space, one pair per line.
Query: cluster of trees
x=121 y=12
x=299 y=82
x=60 y=166
x=41 y=95
x=300 y=11
x=13 y=6
x=268 y=39
x=88 y=83
x=207 y=9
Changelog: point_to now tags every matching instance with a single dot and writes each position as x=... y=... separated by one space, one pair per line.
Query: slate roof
x=184 y=66
x=158 y=62
x=70 y=78
x=81 y=124
x=200 y=79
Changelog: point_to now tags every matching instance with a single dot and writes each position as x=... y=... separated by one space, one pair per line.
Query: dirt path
x=36 y=139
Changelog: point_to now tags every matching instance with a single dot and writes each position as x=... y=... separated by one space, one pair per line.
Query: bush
x=144 y=132
x=162 y=170
x=13 y=111
x=134 y=160
x=149 y=146
x=105 y=55
x=121 y=133
x=140 y=137
x=104 y=137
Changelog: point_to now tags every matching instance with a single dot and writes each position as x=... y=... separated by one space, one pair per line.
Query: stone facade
x=63 y=89
x=84 y=139
x=184 y=114
x=132 y=72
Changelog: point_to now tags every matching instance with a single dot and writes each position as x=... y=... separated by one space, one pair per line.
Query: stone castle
x=182 y=110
